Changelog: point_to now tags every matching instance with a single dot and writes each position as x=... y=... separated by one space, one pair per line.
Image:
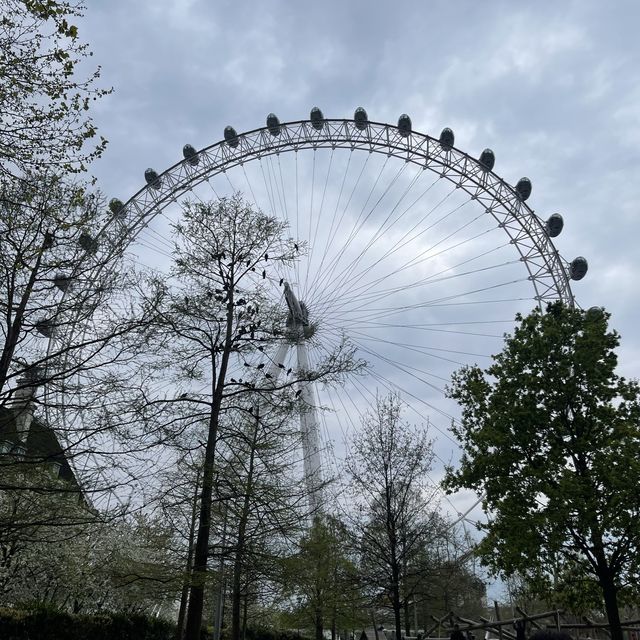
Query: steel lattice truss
x=548 y=272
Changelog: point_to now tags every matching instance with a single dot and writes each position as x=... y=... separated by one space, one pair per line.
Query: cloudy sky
x=552 y=87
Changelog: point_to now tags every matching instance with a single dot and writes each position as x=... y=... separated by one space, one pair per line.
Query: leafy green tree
x=323 y=580
x=45 y=125
x=266 y=499
x=550 y=435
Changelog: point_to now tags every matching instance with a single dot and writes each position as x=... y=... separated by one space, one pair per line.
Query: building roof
x=41 y=447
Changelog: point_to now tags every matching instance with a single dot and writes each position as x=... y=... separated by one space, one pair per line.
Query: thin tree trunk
x=196 y=599
x=244 y=614
x=407 y=619
x=14 y=327
x=319 y=624
x=610 y=594
x=236 y=592
x=184 y=597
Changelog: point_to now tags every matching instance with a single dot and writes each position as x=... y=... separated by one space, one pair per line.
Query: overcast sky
x=552 y=87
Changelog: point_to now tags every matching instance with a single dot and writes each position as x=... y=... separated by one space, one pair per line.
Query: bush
x=46 y=624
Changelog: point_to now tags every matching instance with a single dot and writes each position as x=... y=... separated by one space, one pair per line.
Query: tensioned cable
x=383 y=312
x=404 y=391
x=310 y=216
x=434 y=208
x=379 y=234
x=315 y=234
x=395 y=364
x=416 y=259
x=429 y=280
x=357 y=224
x=335 y=212
x=426 y=255
x=331 y=236
x=342 y=312
x=418 y=283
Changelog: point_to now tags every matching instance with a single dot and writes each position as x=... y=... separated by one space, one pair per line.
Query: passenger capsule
x=447 y=139
x=273 y=124
x=361 y=119
x=404 y=125
x=45 y=328
x=594 y=313
x=62 y=281
x=153 y=179
x=554 y=225
x=86 y=242
x=116 y=207
x=487 y=160
x=523 y=189
x=317 y=119
x=578 y=268
x=231 y=136
x=190 y=155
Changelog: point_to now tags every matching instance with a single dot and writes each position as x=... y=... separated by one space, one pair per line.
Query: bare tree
x=394 y=517
x=214 y=323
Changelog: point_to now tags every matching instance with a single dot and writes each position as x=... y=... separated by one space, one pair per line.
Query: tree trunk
x=196 y=599
x=395 y=599
x=199 y=575
x=236 y=591
x=184 y=598
x=15 y=327
x=319 y=624
x=407 y=619
x=610 y=594
x=244 y=614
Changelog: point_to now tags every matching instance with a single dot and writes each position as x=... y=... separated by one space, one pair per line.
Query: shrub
x=46 y=624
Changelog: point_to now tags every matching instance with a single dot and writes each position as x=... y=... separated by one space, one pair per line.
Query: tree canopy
x=44 y=119
x=550 y=435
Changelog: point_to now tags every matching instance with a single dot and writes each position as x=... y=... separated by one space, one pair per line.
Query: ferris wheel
x=418 y=253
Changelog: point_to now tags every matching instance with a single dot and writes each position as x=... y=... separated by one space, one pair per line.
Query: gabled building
x=26 y=440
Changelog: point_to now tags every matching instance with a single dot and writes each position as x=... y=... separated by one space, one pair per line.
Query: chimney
x=23 y=407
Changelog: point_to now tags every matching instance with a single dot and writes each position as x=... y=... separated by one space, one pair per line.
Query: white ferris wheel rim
x=548 y=273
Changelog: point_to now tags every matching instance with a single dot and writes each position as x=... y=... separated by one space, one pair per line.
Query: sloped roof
x=42 y=445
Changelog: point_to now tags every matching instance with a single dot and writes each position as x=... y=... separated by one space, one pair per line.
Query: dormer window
x=19 y=450
x=54 y=467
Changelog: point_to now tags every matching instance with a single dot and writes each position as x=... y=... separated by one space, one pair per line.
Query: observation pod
x=190 y=155
x=554 y=225
x=404 y=125
x=578 y=268
x=45 y=327
x=317 y=119
x=273 y=124
x=487 y=160
x=153 y=179
x=594 y=313
x=361 y=118
x=86 y=242
x=523 y=189
x=447 y=139
x=231 y=137
x=117 y=208
x=62 y=281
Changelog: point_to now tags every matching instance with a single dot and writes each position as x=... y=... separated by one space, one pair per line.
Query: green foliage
x=322 y=580
x=551 y=436
x=44 y=123
x=49 y=624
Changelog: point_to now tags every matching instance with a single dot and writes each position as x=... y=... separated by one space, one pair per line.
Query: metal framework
x=549 y=274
